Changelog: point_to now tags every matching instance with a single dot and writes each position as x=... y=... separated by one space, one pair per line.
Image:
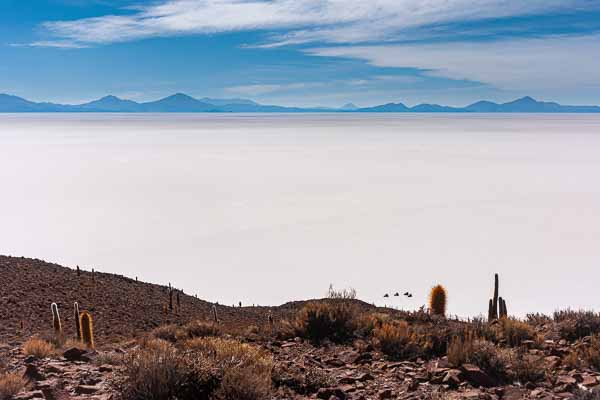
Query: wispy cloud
x=517 y=64
x=305 y=21
x=260 y=89
x=49 y=43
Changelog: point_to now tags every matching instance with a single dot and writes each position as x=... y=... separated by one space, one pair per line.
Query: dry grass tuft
x=515 y=331
x=333 y=320
x=11 y=384
x=573 y=325
x=527 y=367
x=200 y=329
x=170 y=333
x=38 y=348
x=396 y=341
x=479 y=352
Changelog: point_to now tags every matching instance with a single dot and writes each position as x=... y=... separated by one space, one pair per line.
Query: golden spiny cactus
x=437 y=300
x=87 y=328
x=56 y=319
x=77 y=322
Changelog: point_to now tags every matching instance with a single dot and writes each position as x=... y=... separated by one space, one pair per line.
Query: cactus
x=165 y=310
x=87 y=328
x=215 y=316
x=271 y=319
x=56 y=319
x=495 y=302
x=77 y=322
x=170 y=298
x=178 y=301
x=504 y=308
x=437 y=300
x=93 y=275
x=78 y=271
x=491 y=310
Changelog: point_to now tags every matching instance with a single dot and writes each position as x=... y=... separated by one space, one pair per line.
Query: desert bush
x=109 y=358
x=343 y=294
x=590 y=353
x=244 y=370
x=515 y=331
x=537 y=319
x=38 y=348
x=159 y=371
x=396 y=341
x=366 y=323
x=526 y=367
x=332 y=320
x=573 y=325
x=170 y=333
x=305 y=381
x=11 y=384
x=479 y=352
x=200 y=329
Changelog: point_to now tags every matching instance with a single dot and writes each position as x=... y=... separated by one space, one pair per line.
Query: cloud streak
x=549 y=63
x=304 y=21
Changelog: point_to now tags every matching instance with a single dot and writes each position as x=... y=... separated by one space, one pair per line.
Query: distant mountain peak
x=349 y=106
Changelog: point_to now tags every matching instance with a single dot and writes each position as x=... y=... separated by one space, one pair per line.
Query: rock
x=327 y=393
x=75 y=354
x=452 y=378
x=514 y=393
x=105 y=368
x=35 y=394
x=589 y=381
x=476 y=376
x=86 y=389
x=385 y=394
x=33 y=373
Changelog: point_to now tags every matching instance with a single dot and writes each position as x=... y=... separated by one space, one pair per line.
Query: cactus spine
x=437 y=301
x=87 y=328
x=56 y=319
x=77 y=322
x=215 y=316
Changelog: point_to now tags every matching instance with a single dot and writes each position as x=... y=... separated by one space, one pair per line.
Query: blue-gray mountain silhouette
x=183 y=103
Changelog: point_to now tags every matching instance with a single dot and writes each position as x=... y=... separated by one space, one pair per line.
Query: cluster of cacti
x=497 y=305
x=437 y=300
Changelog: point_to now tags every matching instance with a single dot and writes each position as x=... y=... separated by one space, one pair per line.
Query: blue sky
x=302 y=52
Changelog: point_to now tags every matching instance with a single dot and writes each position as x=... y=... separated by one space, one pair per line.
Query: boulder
x=476 y=376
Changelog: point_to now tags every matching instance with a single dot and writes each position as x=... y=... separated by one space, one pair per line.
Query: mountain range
x=183 y=103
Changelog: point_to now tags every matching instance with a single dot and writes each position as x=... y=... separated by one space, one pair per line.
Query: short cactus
x=87 y=328
x=77 y=322
x=56 y=324
x=437 y=301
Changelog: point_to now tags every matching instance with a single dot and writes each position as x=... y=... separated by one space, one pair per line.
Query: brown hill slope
x=121 y=307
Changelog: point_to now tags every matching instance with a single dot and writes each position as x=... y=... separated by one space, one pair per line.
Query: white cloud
x=333 y=21
x=260 y=89
x=518 y=64
x=51 y=43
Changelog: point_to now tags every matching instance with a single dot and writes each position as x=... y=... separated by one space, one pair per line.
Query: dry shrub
x=343 y=294
x=366 y=323
x=479 y=352
x=593 y=394
x=573 y=325
x=11 y=384
x=590 y=353
x=159 y=371
x=396 y=341
x=38 y=348
x=332 y=320
x=245 y=370
x=200 y=329
x=515 y=331
x=526 y=367
x=109 y=358
x=304 y=380
x=170 y=333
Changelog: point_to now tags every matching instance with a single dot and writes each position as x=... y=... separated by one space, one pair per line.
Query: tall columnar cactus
x=170 y=299
x=78 y=271
x=491 y=310
x=215 y=315
x=504 y=308
x=437 y=300
x=178 y=301
x=495 y=301
x=56 y=324
x=93 y=275
x=271 y=322
x=76 y=314
x=87 y=328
